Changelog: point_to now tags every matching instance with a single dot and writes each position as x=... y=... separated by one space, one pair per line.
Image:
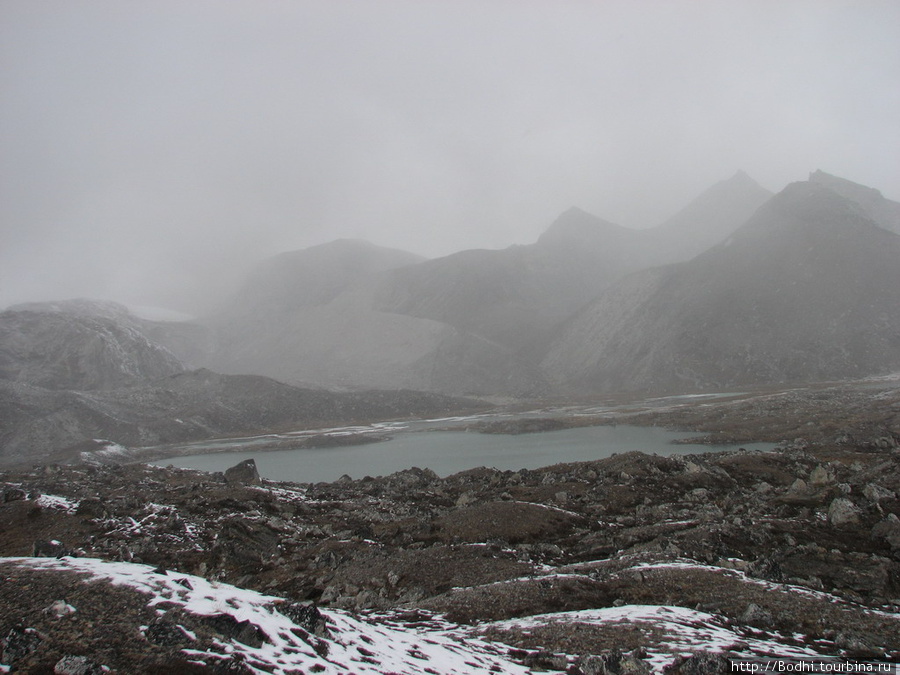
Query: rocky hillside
x=311 y=318
x=709 y=219
x=79 y=344
x=194 y=405
x=883 y=211
x=627 y=564
x=349 y=314
x=808 y=289
x=515 y=295
x=79 y=371
x=315 y=276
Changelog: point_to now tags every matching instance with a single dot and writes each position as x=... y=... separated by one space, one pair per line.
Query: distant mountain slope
x=883 y=211
x=310 y=317
x=78 y=344
x=808 y=289
x=710 y=218
x=316 y=275
x=349 y=314
x=188 y=406
x=80 y=370
x=517 y=295
x=514 y=295
x=347 y=344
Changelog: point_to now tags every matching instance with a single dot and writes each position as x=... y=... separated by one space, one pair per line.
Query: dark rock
x=76 y=665
x=243 y=631
x=700 y=663
x=592 y=665
x=757 y=616
x=18 y=643
x=244 y=473
x=91 y=508
x=12 y=494
x=166 y=634
x=544 y=660
x=620 y=663
x=875 y=493
x=889 y=530
x=307 y=616
x=50 y=549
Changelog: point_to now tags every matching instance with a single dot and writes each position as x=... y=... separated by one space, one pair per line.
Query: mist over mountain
x=315 y=276
x=311 y=318
x=79 y=344
x=514 y=295
x=807 y=289
x=803 y=290
x=350 y=314
x=883 y=211
x=709 y=218
x=75 y=371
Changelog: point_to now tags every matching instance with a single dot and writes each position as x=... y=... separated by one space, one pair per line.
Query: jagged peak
x=80 y=306
x=741 y=176
x=836 y=182
x=349 y=244
x=574 y=224
x=740 y=181
x=815 y=202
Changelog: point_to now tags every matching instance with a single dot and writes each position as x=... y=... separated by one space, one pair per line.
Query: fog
x=150 y=152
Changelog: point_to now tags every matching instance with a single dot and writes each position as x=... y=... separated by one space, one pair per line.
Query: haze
x=151 y=152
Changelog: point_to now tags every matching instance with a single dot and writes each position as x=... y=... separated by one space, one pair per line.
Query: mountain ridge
x=777 y=302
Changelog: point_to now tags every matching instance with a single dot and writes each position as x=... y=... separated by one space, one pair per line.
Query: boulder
x=49 y=549
x=18 y=643
x=700 y=663
x=244 y=473
x=843 y=513
x=244 y=632
x=820 y=476
x=875 y=493
x=76 y=665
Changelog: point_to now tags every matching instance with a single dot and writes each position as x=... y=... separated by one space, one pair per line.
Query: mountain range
x=740 y=288
x=475 y=322
x=807 y=289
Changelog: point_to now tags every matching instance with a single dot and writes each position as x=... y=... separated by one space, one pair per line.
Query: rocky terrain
x=79 y=344
x=636 y=563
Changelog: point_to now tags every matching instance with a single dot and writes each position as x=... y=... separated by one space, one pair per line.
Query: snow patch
x=687 y=631
x=57 y=502
x=354 y=644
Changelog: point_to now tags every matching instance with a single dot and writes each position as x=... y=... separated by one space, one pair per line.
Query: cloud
x=151 y=152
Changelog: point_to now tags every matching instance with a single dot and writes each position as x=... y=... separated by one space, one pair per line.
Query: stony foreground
x=628 y=564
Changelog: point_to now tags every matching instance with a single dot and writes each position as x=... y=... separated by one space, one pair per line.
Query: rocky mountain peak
x=77 y=307
x=710 y=218
x=316 y=275
x=884 y=212
x=576 y=227
x=839 y=184
x=79 y=344
x=811 y=204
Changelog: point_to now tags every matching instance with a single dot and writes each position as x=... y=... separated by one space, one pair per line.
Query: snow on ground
x=354 y=643
x=686 y=631
x=380 y=643
x=772 y=585
x=57 y=502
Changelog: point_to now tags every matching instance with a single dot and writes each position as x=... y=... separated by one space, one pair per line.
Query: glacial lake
x=448 y=452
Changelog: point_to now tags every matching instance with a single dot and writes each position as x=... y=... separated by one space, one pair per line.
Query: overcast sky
x=151 y=150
